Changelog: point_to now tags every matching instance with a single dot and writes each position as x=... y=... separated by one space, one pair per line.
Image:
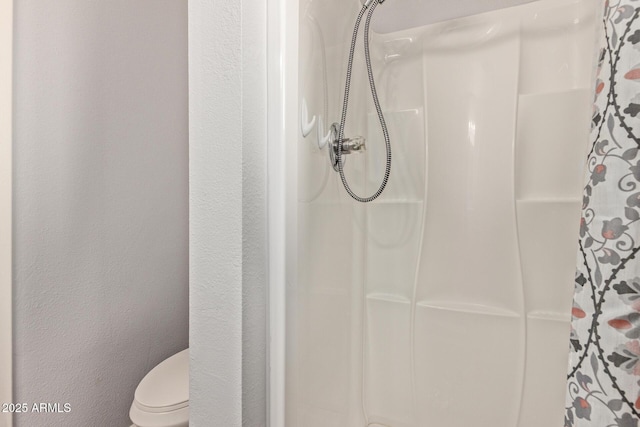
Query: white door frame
x=282 y=96
x=6 y=102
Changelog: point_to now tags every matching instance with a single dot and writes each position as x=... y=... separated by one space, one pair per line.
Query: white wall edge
x=282 y=78
x=6 y=142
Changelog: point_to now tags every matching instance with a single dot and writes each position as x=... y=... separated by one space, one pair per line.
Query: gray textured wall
x=101 y=202
x=254 y=218
x=215 y=200
x=227 y=77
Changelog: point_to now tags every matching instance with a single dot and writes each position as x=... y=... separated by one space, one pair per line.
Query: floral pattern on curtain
x=603 y=387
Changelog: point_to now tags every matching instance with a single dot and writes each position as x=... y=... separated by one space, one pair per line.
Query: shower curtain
x=603 y=387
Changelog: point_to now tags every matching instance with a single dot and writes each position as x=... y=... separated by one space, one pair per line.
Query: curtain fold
x=603 y=384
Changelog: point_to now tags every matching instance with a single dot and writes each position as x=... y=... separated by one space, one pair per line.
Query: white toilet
x=162 y=397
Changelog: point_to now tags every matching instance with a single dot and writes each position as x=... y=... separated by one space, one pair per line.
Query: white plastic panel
x=468 y=368
x=388 y=392
x=445 y=301
x=547 y=265
x=546 y=365
x=402 y=14
x=407 y=130
x=470 y=252
x=394 y=221
x=311 y=416
x=329 y=238
x=546 y=143
x=324 y=352
x=393 y=245
x=556 y=43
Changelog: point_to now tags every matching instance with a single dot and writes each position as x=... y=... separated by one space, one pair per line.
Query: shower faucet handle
x=355 y=144
x=349 y=145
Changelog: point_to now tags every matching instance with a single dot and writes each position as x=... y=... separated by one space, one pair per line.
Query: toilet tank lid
x=166 y=387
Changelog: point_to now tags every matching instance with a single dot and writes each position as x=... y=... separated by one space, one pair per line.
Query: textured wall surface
x=215 y=175
x=101 y=202
x=254 y=222
x=6 y=128
x=227 y=210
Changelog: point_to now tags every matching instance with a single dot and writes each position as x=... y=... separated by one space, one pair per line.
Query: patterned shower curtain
x=603 y=387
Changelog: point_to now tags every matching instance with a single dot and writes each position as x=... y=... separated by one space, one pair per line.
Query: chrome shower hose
x=371 y=5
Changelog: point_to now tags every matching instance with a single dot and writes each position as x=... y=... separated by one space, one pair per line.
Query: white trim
x=282 y=89
x=276 y=210
x=6 y=142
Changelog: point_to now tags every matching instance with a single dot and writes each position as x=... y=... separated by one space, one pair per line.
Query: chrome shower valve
x=356 y=144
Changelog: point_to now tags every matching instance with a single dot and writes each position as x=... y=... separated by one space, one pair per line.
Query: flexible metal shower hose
x=374 y=94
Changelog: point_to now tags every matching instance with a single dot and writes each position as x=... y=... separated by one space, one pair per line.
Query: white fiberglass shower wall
x=447 y=300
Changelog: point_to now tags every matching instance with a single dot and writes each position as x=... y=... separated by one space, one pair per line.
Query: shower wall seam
x=523 y=308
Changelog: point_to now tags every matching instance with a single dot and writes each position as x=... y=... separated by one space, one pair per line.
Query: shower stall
x=447 y=300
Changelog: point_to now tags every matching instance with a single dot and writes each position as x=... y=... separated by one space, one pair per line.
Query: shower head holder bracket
x=367 y=3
